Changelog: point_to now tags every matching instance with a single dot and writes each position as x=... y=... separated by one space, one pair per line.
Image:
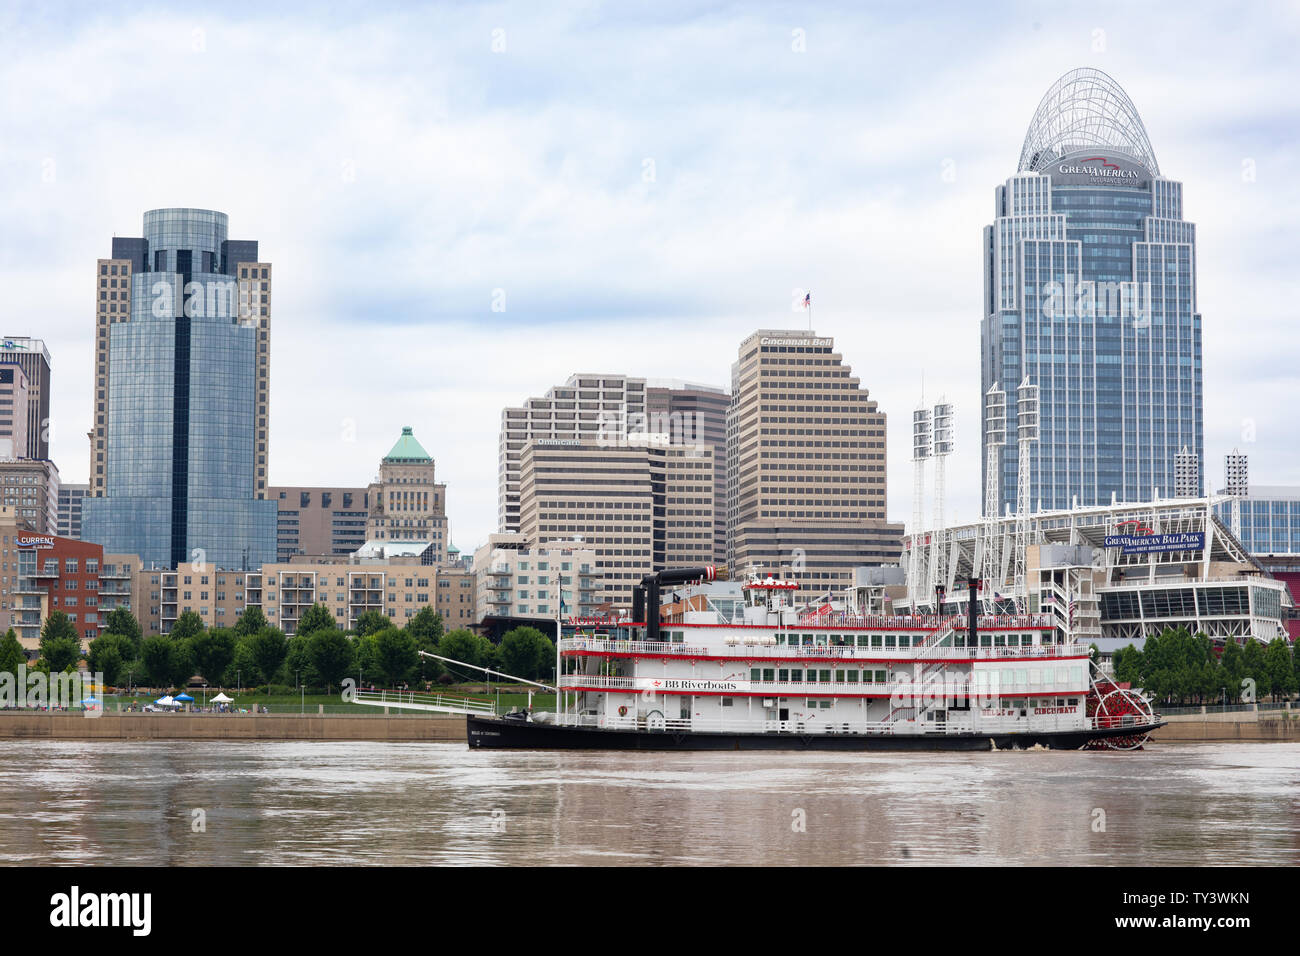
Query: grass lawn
x=509 y=698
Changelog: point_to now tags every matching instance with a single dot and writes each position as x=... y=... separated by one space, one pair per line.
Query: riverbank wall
x=133 y=726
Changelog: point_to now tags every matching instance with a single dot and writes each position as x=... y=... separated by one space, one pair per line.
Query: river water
x=224 y=802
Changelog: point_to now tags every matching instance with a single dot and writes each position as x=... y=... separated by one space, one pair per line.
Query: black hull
x=497 y=734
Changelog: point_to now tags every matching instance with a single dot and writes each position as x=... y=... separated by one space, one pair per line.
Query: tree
x=60 y=643
x=1127 y=664
x=468 y=648
x=1278 y=677
x=372 y=622
x=395 y=655
x=527 y=652
x=269 y=649
x=182 y=666
x=188 y=624
x=121 y=621
x=251 y=622
x=297 y=660
x=243 y=670
x=1232 y=668
x=331 y=655
x=1252 y=660
x=213 y=652
x=156 y=656
x=364 y=657
x=109 y=654
x=426 y=628
x=315 y=618
x=11 y=653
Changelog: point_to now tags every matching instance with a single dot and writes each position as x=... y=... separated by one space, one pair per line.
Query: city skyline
x=652 y=293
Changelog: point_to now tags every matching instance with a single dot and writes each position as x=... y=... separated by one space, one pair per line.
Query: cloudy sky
x=640 y=185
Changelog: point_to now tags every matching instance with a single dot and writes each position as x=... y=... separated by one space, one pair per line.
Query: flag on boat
x=807 y=300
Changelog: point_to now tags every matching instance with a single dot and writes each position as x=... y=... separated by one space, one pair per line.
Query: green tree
x=1232 y=668
x=395 y=655
x=1127 y=664
x=189 y=624
x=251 y=622
x=331 y=655
x=468 y=648
x=243 y=670
x=372 y=622
x=122 y=621
x=182 y=666
x=426 y=628
x=297 y=661
x=526 y=652
x=213 y=652
x=108 y=655
x=1252 y=661
x=11 y=653
x=156 y=656
x=315 y=618
x=269 y=649
x=60 y=643
x=1279 y=678
x=364 y=657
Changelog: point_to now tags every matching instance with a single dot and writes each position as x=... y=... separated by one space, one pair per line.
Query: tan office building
x=320 y=521
x=31 y=488
x=692 y=414
x=516 y=579
x=806 y=465
x=588 y=408
x=641 y=508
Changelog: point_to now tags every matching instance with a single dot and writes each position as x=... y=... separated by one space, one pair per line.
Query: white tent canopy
x=222 y=699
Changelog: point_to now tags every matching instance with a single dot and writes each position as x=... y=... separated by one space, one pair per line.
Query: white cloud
x=397 y=171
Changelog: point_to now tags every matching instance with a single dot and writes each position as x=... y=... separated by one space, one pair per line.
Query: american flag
x=807 y=300
x=1071 y=616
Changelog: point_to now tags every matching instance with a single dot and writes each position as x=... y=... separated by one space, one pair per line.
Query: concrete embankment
x=114 y=726
x=1244 y=726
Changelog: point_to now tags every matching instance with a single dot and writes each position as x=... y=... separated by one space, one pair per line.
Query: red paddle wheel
x=1109 y=705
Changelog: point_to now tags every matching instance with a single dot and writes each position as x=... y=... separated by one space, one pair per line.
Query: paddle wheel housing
x=1110 y=705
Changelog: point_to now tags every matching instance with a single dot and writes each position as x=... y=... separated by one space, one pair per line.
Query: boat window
x=986 y=641
x=839 y=677
x=780 y=639
x=864 y=640
x=876 y=640
x=999 y=640
x=726 y=702
x=807 y=640
x=755 y=674
x=769 y=674
x=851 y=677
x=880 y=677
x=904 y=640
x=824 y=676
x=796 y=676
x=890 y=640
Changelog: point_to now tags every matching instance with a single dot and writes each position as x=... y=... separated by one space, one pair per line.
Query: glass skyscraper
x=1090 y=294
x=181 y=372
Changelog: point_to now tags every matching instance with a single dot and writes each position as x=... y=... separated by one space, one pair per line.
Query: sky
x=466 y=203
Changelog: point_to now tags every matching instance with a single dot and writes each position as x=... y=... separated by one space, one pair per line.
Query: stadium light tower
x=995 y=436
x=1026 y=435
x=941 y=445
x=920 y=454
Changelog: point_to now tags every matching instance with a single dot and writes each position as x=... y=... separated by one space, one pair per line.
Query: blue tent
x=183 y=697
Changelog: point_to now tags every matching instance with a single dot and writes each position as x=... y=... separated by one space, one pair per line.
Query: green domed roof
x=407 y=448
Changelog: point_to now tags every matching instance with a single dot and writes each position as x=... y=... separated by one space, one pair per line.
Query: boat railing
x=964 y=723
x=941 y=687
x=934 y=650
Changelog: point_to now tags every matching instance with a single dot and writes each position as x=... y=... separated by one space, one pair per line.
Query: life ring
x=622 y=711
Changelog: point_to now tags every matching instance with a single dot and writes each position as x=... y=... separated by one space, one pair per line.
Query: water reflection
x=368 y=803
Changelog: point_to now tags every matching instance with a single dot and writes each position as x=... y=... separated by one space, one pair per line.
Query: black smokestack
x=972 y=613
x=651 y=587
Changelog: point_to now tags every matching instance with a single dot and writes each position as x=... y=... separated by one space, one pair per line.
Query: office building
x=587 y=409
x=31 y=488
x=13 y=411
x=408 y=506
x=33 y=358
x=640 y=507
x=691 y=414
x=320 y=521
x=69 y=521
x=806 y=464
x=1090 y=295
x=179 y=438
